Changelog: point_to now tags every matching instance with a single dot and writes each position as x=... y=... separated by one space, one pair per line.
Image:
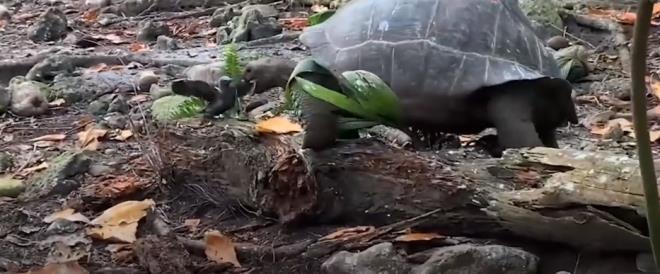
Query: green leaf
x=335 y=98
x=373 y=94
x=232 y=62
x=320 y=17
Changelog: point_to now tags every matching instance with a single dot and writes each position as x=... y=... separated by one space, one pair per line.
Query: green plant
x=175 y=107
x=320 y=17
x=232 y=62
x=364 y=95
x=647 y=168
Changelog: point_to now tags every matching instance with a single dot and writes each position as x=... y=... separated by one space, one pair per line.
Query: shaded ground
x=22 y=227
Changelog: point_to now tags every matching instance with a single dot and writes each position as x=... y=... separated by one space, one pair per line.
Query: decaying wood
x=592 y=201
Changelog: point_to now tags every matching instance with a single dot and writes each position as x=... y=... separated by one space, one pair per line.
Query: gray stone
x=149 y=31
x=98 y=107
x=378 y=259
x=118 y=104
x=222 y=16
x=28 y=98
x=115 y=121
x=160 y=92
x=58 y=178
x=51 y=26
x=166 y=43
x=467 y=258
x=544 y=15
x=209 y=73
x=6 y=162
x=253 y=25
x=5 y=14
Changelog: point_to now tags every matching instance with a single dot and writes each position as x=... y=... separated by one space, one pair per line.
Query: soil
x=22 y=227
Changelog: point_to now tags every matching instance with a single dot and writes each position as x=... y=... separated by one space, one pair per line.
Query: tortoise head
x=267 y=73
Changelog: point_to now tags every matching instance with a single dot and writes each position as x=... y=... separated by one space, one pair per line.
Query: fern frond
x=232 y=62
x=189 y=108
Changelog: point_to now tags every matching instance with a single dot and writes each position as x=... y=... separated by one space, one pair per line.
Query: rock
x=468 y=258
x=11 y=187
x=118 y=104
x=115 y=121
x=157 y=92
x=222 y=16
x=209 y=73
x=264 y=10
x=145 y=79
x=222 y=35
x=98 y=107
x=544 y=15
x=618 y=87
x=134 y=7
x=28 y=98
x=558 y=42
x=563 y=272
x=5 y=100
x=5 y=14
x=380 y=258
x=51 y=26
x=165 y=109
x=57 y=179
x=99 y=170
x=166 y=43
x=6 y=162
x=149 y=31
x=253 y=25
x=97 y=4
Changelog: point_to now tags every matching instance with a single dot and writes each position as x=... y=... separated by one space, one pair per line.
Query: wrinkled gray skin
x=456 y=66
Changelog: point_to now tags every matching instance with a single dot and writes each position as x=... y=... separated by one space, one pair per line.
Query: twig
x=645 y=155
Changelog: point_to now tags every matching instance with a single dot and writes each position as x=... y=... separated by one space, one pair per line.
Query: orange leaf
x=414 y=237
x=277 y=125
x=89 y=139
x=138 y=47
x=348 y=232
x=91 y=16
x=50 y=137
x=67 y=214
x=220 y=249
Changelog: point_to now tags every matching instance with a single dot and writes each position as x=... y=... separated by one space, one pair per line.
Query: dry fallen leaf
x=67 y=214
x=192 y=224
x=220 y=249
x=348 y=232
x=90 y=16
x=140 y=98
x=57 y=102
x=138 y=47
x=88 y=139
x=119 y=223
x=60 y=268
x=49 y=137
x=39 y=167
x=414 y=237
x=123 y=135
x=277 y=125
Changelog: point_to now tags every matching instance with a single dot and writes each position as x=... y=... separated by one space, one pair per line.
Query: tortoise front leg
x=548 y=137
x=512 y=116
x=319 y=123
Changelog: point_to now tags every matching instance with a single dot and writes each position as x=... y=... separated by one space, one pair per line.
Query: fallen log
x=587 y=200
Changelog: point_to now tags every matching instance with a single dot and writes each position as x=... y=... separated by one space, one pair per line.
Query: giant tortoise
x=456 y=67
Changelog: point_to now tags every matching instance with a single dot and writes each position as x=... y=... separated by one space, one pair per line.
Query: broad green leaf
x=320 y=17
x=335 y=98
x=374 y=95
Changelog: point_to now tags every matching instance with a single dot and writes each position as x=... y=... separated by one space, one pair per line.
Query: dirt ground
x=26 y=237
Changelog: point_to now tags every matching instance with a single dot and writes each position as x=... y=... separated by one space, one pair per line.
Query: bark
x=591 y=201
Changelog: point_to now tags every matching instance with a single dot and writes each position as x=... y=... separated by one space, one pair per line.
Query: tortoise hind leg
x=511 y=113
